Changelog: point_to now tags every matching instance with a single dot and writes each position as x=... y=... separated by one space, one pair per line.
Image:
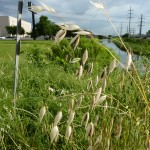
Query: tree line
x=44 y=27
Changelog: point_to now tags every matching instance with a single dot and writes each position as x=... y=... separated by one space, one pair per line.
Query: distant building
x=12 y=21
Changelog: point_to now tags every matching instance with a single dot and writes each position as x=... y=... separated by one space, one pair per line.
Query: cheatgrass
x=56 y=110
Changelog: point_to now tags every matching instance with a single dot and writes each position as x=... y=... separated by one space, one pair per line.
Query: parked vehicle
x=2 y=37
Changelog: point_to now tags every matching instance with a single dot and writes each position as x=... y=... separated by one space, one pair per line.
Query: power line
x=141 y=24
x=130 y=16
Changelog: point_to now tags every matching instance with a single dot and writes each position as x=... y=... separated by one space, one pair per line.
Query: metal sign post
x=20 y=7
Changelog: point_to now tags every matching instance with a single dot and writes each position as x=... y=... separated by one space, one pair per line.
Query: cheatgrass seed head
x=58 y=117
x=96 y=80
x=90 y=130
x=80 y=72
x=71 y=117
x=99 y=138
x=54 y=134
x=89 y=85
x=90 y=69
x=129 y=61
x=97 y=5
x=60 y=35
x=85 y=57
x=104 y=73
x=75 y=41
x=79 y=101
x=68 y=133
x=90 y=148
x=85 y=119
x=42 y=113
x=51 y=10
x=104 y=84
x=100 y=100
x=71 y=104
x=112 y=66
x=98 y=93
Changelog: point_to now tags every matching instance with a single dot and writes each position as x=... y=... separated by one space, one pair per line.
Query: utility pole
x=141 y=24
x=33 y=21
x=127 y=29
x=19 y=17
x=130 y=16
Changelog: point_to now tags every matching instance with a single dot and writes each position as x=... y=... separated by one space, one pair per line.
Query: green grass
x=138 y=46
x=44 y=65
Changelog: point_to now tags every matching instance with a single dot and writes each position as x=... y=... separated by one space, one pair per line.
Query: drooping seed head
x=70 y=117
x=54 y=134
x=96 y=80
x=85 y=57
x=112 y=66
x=68 y=132
x=71 y=104
x=89 y=84
x=42 y=113
x=90 y=148
x=90 y=69
x=99 y=138
x=82 y=32
x=79 y=101
x=80 y=71
x=47 y=7
x=60 y=36
x=129 y=61
x=98 y=5
x=75 y=41
x=70 y=27
x=90 y=130
x=100 y=100
x=104 y=85
x=85 y=119
x=98 y=93
x=104 y=73
x=57 y=118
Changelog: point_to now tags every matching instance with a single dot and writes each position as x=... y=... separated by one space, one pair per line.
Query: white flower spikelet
x=80 y=71
x=54 y=134
x=98 y=5
x=101 y=100
x=60 y=36
x=68 y=132
x=71 y=117
x=85 y=119
x=98 y=93
x=57 y=118
x=42 y=113
x=129 y=61
x=90 y=130
x=112 y=66
x=70 y=27
x=85 y=57
x=47 y=8
x=82 y=32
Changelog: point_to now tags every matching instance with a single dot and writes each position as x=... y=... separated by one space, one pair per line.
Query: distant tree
x=12 y=30
x=148 y=32
x=126 y=35
x=46 y=27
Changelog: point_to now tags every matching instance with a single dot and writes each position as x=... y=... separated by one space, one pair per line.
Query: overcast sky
x=84 y=14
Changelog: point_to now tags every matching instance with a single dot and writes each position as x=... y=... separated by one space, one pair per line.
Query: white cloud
x=87 y=16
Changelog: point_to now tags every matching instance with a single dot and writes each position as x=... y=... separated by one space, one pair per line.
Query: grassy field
x=138 y=46
x=101 y=109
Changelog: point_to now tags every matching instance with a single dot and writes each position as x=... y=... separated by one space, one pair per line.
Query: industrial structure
x=12 y=21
